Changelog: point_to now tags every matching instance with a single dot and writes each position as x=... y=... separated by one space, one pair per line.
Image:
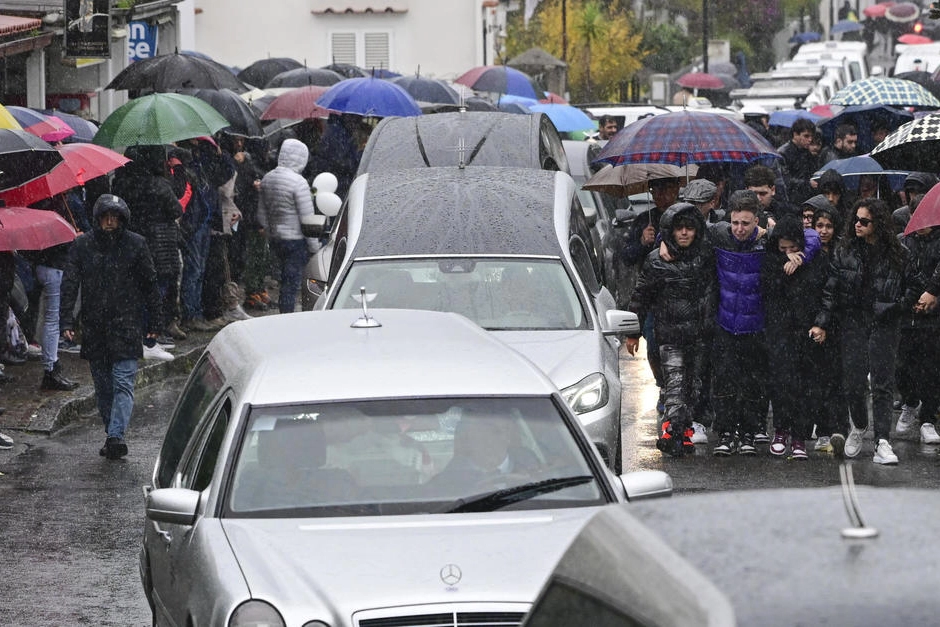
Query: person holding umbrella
x=114 y=271
x=872 y=281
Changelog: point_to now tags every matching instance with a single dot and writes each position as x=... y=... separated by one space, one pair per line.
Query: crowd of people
x=787 y=309
x=179 y=240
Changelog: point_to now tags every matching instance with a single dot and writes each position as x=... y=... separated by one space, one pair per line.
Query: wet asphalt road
x=71 y=522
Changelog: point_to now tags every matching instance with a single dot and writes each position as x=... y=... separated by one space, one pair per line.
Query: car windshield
x=410 y=456
x=496 y=293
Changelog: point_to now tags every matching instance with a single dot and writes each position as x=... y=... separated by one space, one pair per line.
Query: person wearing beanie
x=916 y=185
x=113 y=269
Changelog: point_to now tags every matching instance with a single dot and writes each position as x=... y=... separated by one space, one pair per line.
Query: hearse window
x=203 y=386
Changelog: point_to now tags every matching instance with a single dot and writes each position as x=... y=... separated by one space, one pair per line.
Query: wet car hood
x=565 y=356
x=344 y=565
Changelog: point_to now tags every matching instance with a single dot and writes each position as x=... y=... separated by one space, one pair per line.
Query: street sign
x=141 y=41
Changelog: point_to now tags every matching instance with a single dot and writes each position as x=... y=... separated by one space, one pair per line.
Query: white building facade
x=443 y=38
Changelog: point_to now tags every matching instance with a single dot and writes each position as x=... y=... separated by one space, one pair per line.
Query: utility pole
x=705 y=35
x=564 y=30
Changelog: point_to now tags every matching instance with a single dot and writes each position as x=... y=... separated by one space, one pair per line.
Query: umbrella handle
x=69 y=211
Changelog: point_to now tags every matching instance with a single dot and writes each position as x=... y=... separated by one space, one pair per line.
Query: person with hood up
x=790 y=302
x=113 y=269
x=831 y=185
x=284 y=205
x=810 y=206
x=681 y=294
x=916 y=186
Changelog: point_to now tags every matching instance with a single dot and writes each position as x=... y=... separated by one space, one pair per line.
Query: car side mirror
x=621 y=322
x=646 y=484
x=177 y=506
x=313 y=225
x=590 y=214
x=623 y=217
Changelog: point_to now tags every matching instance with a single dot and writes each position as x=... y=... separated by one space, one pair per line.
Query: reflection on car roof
x=440 y=211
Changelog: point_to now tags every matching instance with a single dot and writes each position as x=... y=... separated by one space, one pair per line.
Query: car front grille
x=448 y=619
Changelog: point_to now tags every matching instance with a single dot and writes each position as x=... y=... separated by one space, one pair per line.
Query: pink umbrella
x=297 y=104
x=700 y=80
x=877 y=10
x=914 y=39
x=32 y=229
x=927 y=213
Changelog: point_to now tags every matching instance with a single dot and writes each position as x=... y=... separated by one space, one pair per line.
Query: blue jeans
x=114 y=390
x=50 y=281
x=292 y=254
x=195 y=253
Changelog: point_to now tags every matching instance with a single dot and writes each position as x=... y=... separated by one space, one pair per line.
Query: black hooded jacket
x=681 y=294
x=115 y=273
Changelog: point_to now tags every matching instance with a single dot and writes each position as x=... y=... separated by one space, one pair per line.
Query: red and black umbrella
x=501 y=79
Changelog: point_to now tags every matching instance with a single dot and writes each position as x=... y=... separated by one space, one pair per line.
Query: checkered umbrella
x=885 y=91
x=914 y=146
x=685 y=137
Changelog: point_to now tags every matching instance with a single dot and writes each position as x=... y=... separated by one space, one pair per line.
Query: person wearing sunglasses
x=872 y=282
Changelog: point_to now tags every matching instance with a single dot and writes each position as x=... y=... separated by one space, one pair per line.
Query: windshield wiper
x=507 y=496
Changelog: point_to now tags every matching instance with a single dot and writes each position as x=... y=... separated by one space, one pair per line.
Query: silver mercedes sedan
x=346 y=468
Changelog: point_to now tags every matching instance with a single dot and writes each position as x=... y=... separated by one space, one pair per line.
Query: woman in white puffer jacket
x=284 y=202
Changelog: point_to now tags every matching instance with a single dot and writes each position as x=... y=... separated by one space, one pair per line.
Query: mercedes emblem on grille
x=451 y=574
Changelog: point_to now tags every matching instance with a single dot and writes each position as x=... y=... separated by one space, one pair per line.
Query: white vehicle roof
x=317 y=356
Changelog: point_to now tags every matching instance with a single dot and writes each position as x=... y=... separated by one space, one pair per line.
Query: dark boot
x=56 y=381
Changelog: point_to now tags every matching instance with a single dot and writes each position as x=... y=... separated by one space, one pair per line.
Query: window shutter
x=376 y=51
x=343 y=48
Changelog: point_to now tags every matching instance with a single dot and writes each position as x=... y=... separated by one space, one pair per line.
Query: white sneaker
x=884 y=454
x=928 y=434
x=157 y=353
x=823 y=444
x=5 y=441
x=907 y=418
x=699 y=436
x=853 y=443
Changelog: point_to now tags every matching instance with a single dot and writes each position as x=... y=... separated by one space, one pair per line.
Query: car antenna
x=461 y=153
x=858 y=530
x=365 y=321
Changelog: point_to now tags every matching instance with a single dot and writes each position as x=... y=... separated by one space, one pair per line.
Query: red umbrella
x=927 y=213
x=700 y=80
x=877 y=10
x=825 y=110
x=32 y=229
x=914 y=39
x=81 y=163
x=297 y=104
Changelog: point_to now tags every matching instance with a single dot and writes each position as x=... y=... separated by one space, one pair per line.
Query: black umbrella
x=169 y=72
x=263 y=70
x=242 y=117
x=347 y=70
x=303 y=76
x=428 y=89
x=24 y=157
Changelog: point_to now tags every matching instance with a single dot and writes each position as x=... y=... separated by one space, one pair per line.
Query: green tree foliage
x=603 y=48
x=666 y=47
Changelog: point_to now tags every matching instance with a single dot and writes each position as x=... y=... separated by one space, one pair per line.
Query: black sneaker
x=114 y=448
x=725 y=445
x=746 y=446
x=56 y=381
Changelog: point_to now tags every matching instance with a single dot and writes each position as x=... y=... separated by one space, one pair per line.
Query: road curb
x=60 y=411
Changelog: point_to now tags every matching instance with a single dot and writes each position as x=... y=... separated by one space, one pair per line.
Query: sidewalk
x=39 y=411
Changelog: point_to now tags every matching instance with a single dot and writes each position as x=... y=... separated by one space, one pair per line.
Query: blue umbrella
x=863 y=117
x=853 y=168
x=804 y=38
x=846 y=26
x=369 y=96
x=565 y=117
x=380 y=72
x=786 y=117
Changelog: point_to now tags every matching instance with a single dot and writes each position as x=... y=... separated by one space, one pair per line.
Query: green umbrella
x=159 y=119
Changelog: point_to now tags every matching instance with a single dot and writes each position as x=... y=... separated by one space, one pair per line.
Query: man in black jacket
x=113 y=268
x=799 y=162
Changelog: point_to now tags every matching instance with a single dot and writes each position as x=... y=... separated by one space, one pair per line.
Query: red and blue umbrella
x=369 y=97
x=501 y=79
x=684 y=137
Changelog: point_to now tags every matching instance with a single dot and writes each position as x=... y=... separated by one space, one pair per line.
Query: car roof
x=317 y=356
x=441 y=211
x=487 y=138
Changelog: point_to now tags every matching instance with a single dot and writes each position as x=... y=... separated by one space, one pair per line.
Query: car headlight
x=256 y=614
x=588 y=394
x=315 y=287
